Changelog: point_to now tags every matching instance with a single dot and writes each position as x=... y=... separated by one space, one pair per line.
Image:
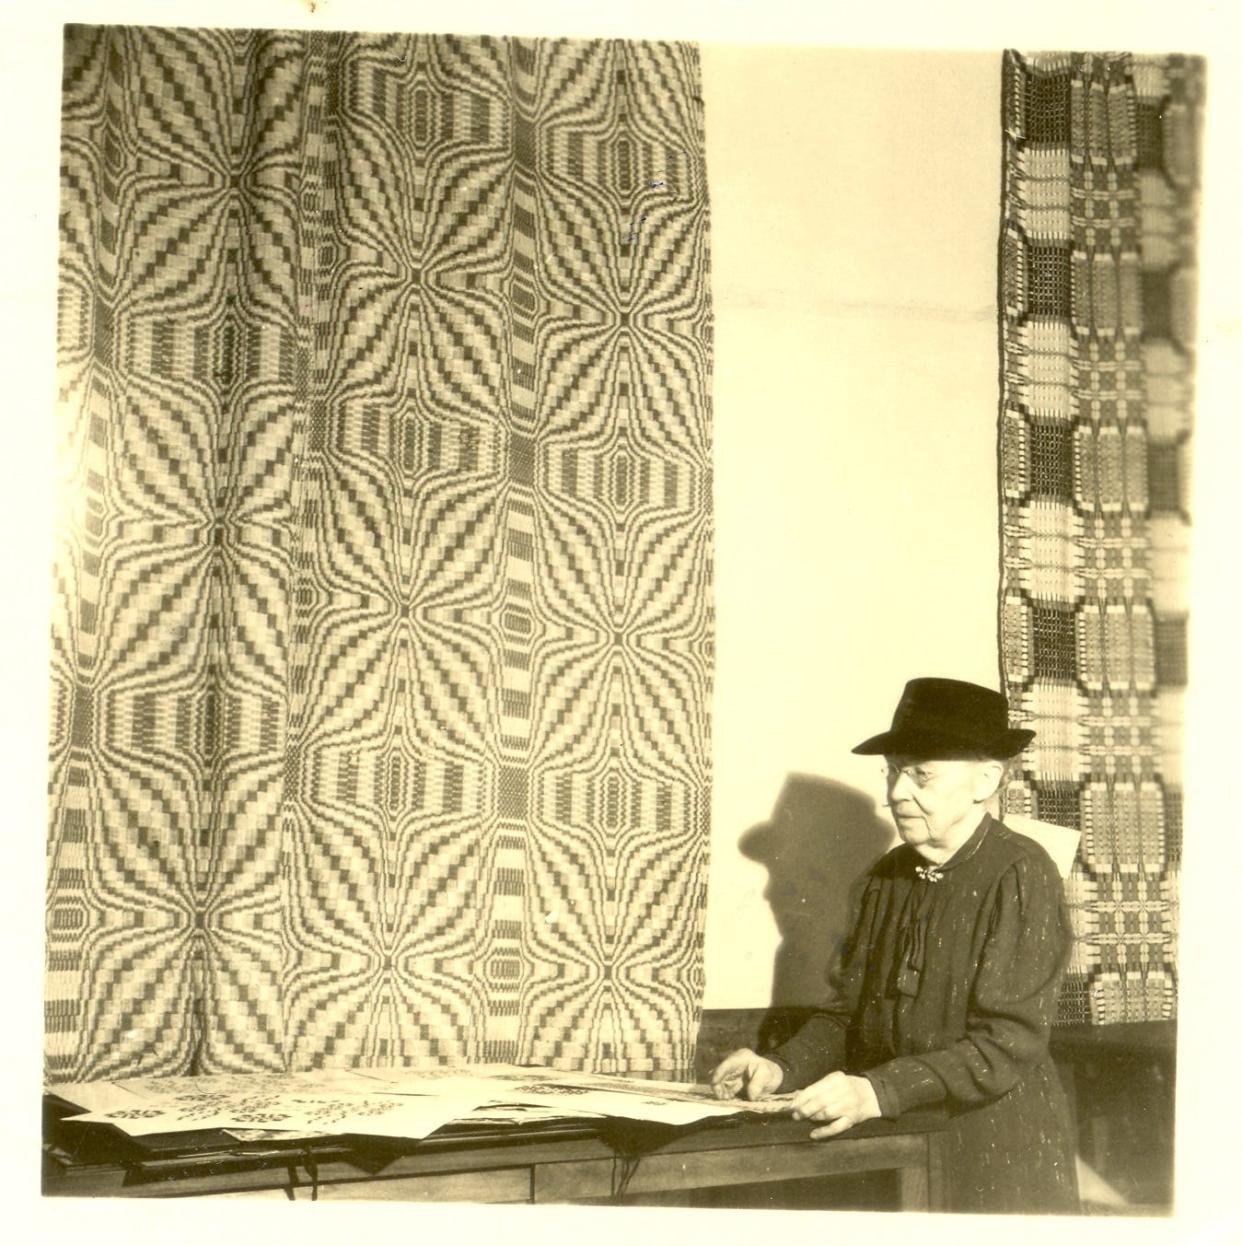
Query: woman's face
x=933 y=801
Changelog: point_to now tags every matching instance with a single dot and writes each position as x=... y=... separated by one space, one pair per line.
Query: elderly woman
x=948 y=985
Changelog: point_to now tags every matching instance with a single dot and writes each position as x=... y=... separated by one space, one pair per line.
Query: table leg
x=921 y=1186
x=937 y=1174
x=912 y=1188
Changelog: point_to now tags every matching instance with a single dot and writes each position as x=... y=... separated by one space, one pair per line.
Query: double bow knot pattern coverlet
x=382 y=641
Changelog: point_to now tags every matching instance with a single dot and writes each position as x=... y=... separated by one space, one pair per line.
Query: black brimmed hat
x=948 y=717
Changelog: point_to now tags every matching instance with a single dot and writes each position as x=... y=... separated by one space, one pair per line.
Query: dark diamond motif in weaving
x=1052 y=460
x=1048 y=291
x=1054 y=649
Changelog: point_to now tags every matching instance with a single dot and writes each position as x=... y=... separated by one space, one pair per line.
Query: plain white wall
x=855 y=216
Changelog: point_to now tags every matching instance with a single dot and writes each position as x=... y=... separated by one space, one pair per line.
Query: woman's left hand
x=839 y=1098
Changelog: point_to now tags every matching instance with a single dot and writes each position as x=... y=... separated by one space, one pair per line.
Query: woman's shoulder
x=893 y=862
x=1015 y=846
x=1007 y=851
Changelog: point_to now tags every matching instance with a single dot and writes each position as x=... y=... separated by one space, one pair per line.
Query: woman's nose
x=898 y=787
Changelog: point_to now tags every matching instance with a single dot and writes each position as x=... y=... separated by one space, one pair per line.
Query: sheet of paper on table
x=669 y=1103
x=130 y=1092
x=773 y=1105
x=316 y=1082
x=392 y=1116
x=647 y=1093
x=98 y=1096
x=488 y=1114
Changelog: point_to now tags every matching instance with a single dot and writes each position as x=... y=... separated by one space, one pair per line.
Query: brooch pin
x=928 y=873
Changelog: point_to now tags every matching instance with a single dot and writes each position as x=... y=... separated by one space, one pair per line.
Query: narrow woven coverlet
x=1097 y=297
x=382 y=639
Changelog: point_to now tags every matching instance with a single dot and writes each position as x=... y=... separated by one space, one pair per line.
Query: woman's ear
x=988 y=780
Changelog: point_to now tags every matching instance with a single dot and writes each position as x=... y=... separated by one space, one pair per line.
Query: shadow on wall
x=821 y=839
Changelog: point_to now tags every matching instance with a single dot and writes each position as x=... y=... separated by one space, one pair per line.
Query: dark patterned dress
x=945 y=996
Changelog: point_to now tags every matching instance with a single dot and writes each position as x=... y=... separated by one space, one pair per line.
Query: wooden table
x=546 y=1164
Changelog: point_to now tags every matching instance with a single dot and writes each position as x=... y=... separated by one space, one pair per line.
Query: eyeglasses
x=920 y=775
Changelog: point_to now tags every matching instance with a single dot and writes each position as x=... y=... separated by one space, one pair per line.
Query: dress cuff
x=798 y=1066
x=783 y=1065
x=882 y=1095
x=904 y=1084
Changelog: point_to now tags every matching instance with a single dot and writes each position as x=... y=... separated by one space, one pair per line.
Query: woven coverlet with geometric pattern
x=1097 y=335
x=382 y=642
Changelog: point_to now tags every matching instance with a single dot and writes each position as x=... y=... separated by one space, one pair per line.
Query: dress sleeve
x=1012 y=1002
x=818 y=1048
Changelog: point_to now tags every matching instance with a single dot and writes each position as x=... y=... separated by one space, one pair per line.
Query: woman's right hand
x=744 y=1075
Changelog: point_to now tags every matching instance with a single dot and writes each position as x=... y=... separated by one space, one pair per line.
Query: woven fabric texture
x=1097 y=336
x=382 y=640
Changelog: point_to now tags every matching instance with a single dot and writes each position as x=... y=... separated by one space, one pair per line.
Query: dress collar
x=934 y=873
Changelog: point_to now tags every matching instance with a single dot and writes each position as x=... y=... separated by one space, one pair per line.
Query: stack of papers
x=388 y=1102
